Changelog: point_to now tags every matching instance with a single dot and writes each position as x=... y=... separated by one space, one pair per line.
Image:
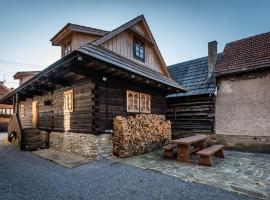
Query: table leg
x=199 y=145
x=183 y=153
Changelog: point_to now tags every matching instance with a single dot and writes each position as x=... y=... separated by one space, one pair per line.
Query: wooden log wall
x=189 y=115
x=116 y=101
x=80 y=120
x=26 y=120
x=93 y=111
x=51 y=109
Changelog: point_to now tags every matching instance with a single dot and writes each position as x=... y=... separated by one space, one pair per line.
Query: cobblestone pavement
x=26 y=176
x=246 y=173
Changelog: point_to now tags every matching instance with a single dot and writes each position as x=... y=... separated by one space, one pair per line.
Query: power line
x=18 y=63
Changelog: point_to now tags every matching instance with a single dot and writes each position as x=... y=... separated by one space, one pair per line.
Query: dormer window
x=138 y=50
x=67 y=48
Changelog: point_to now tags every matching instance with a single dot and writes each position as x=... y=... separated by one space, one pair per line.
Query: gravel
x=26 y=176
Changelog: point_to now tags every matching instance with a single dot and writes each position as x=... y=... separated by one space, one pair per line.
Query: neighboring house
x=24 y=76
x=5 y=110
x=243 y=97
x=193 y=112
x=102 y=74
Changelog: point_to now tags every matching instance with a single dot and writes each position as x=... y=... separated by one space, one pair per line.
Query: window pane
x=139 y=49
x=136 y=102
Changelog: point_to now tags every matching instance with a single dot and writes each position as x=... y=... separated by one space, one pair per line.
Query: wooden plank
x=190 y=140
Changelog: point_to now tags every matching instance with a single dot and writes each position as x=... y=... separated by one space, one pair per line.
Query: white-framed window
x=133 y=103
x=1 y=111
x=145 y=103
x=68 y=101
x=22 y=110
x=67 y=48
x=138 y=102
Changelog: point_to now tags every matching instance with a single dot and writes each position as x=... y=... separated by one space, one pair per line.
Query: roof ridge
x=193 y=60
x=114 y=31
x=249 y=37
x=97 y=29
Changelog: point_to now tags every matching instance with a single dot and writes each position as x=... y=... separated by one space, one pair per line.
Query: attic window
x=67 y=48
x=138 y=50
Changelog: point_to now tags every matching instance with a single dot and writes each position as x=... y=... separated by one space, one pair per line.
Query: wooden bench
x=168 y=150
x=207 y=153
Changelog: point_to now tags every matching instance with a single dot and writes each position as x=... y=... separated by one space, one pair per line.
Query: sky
x=181 y=28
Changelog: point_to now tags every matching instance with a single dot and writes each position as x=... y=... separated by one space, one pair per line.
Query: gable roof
x=101 y=54
x=127 y=25
x=69 y=27
x=125 y=64
x=4 y=90
x=193 y=75
x=249 y=54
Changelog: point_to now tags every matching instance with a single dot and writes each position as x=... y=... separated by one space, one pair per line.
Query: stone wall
x=139 y=134
x=88 y=145
x=243 y=109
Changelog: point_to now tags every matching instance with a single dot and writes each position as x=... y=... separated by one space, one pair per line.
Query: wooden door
x=35 y=116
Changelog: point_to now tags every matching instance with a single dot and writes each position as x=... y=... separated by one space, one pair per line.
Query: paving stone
x=247 y=173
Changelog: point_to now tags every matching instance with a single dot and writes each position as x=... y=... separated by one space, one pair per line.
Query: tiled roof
x=4 y=90
x=193 y=76
x=245 y=55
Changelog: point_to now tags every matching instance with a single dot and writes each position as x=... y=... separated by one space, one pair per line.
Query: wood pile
x=139 y=134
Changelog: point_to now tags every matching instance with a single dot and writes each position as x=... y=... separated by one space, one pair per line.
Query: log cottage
x=242 y=103
x=194 y=111
x=102 y=74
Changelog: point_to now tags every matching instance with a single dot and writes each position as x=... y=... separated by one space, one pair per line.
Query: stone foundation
x=139 y=134
x=242 y=142
x=88 y=145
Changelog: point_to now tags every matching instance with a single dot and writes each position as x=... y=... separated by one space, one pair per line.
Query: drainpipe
x=106 y=101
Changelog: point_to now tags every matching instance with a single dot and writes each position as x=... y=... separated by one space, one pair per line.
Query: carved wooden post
x=17 y=104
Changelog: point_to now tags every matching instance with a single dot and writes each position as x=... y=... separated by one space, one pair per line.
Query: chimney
x=2 y=83
x=212 y=56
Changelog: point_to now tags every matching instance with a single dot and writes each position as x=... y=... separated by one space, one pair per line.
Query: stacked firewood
x=139 y=134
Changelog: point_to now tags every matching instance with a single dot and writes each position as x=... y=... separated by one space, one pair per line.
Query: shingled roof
x=3 y=90
x=193 y=76
x=245 y=55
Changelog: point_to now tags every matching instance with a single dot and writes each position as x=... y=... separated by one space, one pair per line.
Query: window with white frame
x=145 y=103
x=68 y=101
x=67 y=48
x=138 y=102
x=133 y=101
x=22 y=110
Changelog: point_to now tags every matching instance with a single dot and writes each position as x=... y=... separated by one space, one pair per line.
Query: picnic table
x=189 y=145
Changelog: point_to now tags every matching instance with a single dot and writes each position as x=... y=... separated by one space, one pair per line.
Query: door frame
x=35 y=114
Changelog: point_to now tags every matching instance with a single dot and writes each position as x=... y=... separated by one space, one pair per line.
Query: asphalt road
x=3 y=135
x=26 y=176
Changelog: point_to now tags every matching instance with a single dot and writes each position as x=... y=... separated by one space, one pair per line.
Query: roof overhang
x=69 y=28
x=93 y=62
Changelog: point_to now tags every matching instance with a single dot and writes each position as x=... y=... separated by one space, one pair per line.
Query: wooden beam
x=58 y=81
x=140 y=35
